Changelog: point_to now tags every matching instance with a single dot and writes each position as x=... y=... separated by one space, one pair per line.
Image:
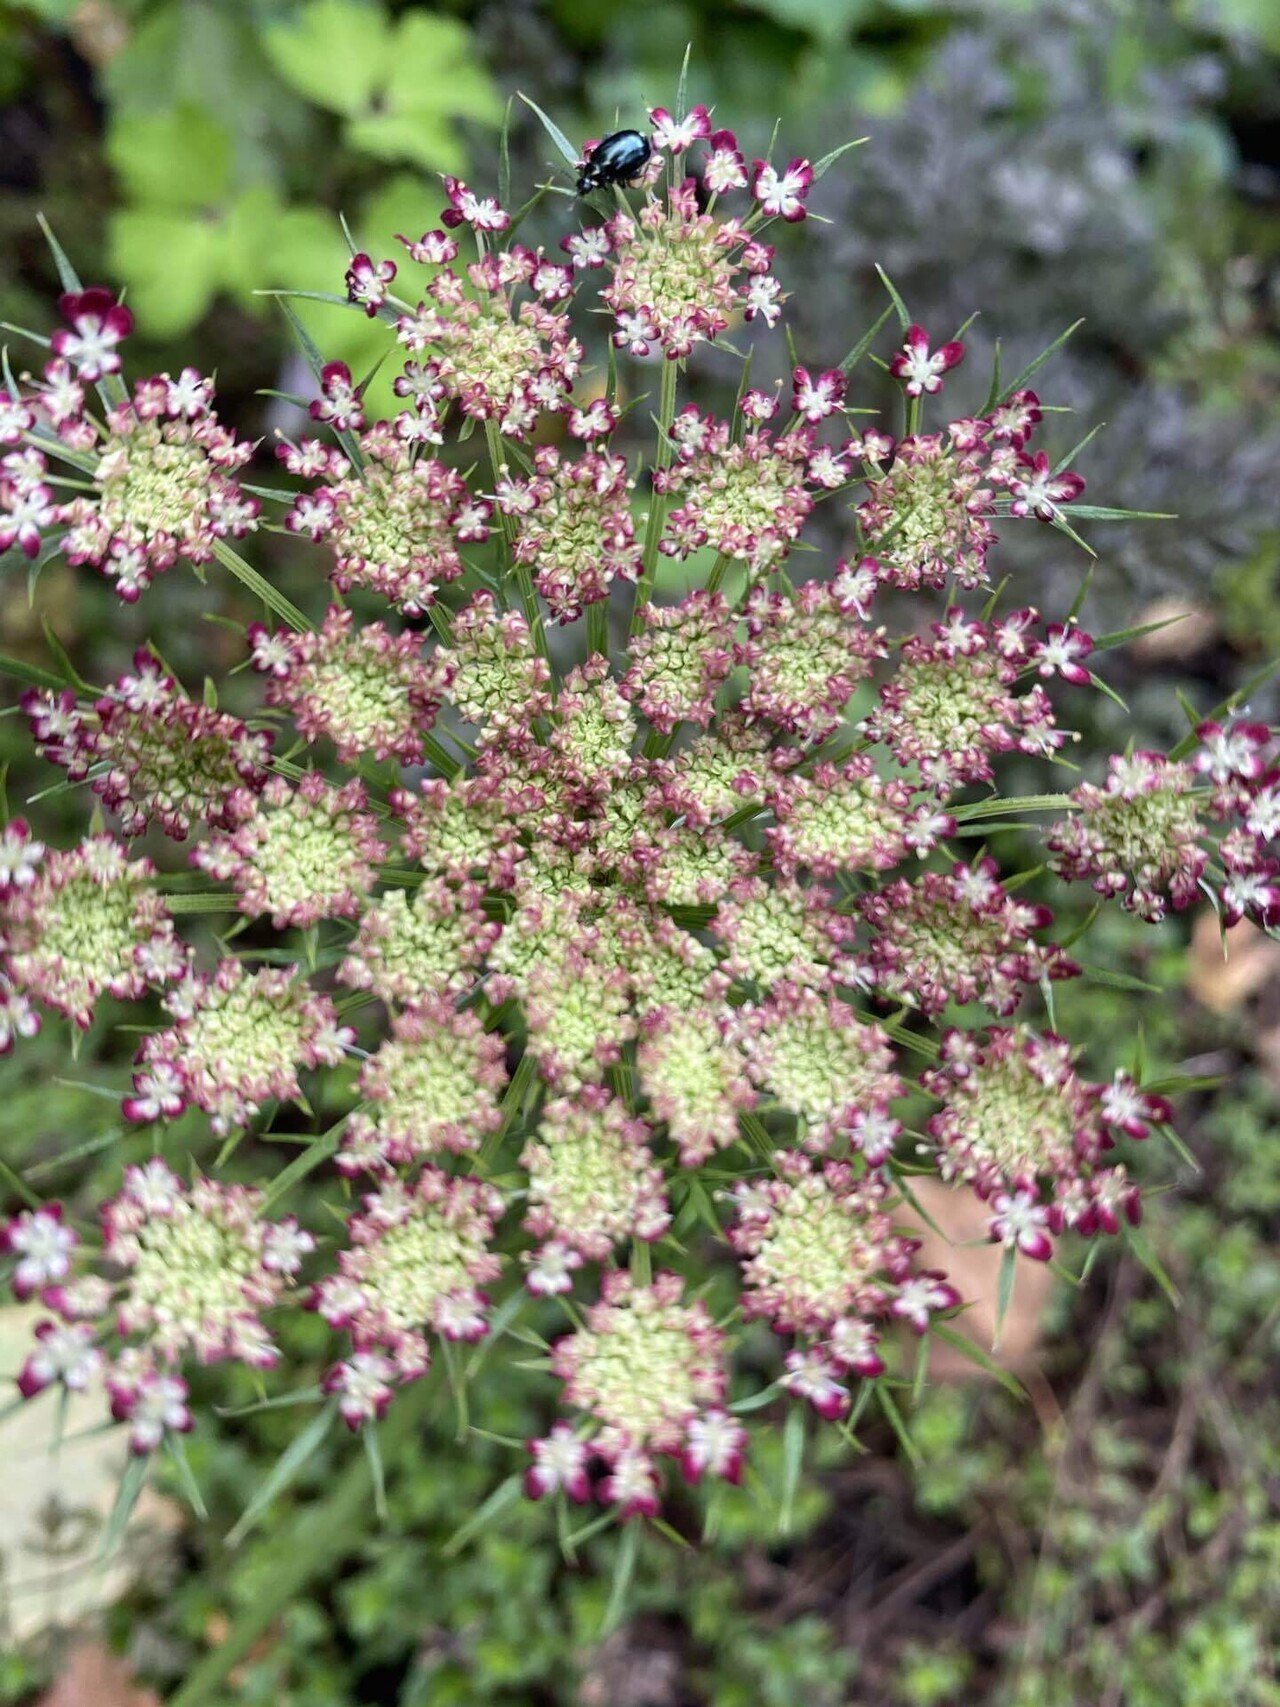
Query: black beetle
x=616 y=159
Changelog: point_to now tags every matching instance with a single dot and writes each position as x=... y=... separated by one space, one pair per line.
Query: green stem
x=260 y=587
x=718 y=569
x=658 y=502
x=439 y=619
x=440 y=756
x=520 y=571
x=311 y=1545
x=513 y=1102
x=753 y=1129
x=598 y=628
x=658 y=745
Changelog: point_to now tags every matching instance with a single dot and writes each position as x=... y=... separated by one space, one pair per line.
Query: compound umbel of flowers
x=620 y=868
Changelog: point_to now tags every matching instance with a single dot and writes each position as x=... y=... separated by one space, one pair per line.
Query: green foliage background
x=1120 y=1542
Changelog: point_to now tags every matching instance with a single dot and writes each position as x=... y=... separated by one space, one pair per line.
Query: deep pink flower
x=920 y=368
x=559 y=1462
x=27 y=511
x=63 y=1353
x=98 y=325
x=725 y=168
x=1131 y=1110
x=812 y=1376
x=1037 y=491
x=365 y=1384
x=1063 y=652
x=782 y=193
x=715 y=1445
x=587 y=250
x=1231 y=751
x=815 y=399
x=338 y=404
x=922 y=1296
x=367 y=282
x=20 y=856
x=1020 y=1220
x=15 y=418
x=675 y=135
x=42 y=1244
x=482 y=213
x=1014 y=421
x=151 y=1401
x=432 y=249
x=852 y=1345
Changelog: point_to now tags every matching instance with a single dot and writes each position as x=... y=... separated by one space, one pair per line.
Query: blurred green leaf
x=177 y=260
x=52 y=11
x=335 y=52
x=428 y=137
x=211 y=57
x=170 y=261
x=265 y=244
x=436 y=66
x=829 y=22
x=399 y=89
x=1257 y=18
x=180 y=158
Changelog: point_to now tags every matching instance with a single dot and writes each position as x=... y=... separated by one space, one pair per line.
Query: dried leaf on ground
x=95 y=1677
x=974 y=1268
x=1190 y=629
x=53 y=1506
x=1224 y=983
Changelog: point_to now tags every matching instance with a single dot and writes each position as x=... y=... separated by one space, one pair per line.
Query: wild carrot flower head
x=151 y=753
x=411 y=945
x=395 y=522
x=779 y=931
x=497 y=677
x=299 y=853
x=837 y=817
x=645 y=1365
x=818 y=1247
x=432 y=1087
x=573 y=527
x=240 y=1037
x=925 y=520
x=1138 y=836
x=746 y=497
x=163 y=469
x=1017 y=1121
x=805 y=655
x=201 y=1264
x=951 y=707
x=414 y=1261
x=497 y=341
x=89 y=925
x=695 y=1079
x=604 y=958
x=592 y=1178
x=830 y=1067
x=680 y=658
x=678 y=273
x=957 y=936
x=365 y=689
